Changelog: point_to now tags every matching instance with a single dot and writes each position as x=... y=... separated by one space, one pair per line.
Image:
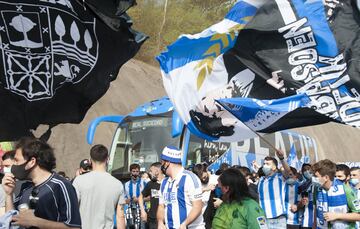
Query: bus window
x=194 y=150
x=119 y=160
x=118 y=150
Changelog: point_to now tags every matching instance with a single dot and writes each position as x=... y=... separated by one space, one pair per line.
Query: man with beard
x=180 y=201
x=133 y=189
x=51 y=198
x=151 y=192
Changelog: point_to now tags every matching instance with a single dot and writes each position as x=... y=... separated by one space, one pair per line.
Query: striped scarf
x=333 y=200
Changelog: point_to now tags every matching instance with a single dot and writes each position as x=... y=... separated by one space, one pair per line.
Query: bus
x=141 y=135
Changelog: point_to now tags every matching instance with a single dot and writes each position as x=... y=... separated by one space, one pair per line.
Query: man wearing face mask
x=271 y=189
x=342 y=173
x=180 y=201
x=336 y=206
x=306 y=191
x=7 y=161
x=292 y=200
x=52 y=199
x=133 y=189
x=151 y=192
x=355 y=184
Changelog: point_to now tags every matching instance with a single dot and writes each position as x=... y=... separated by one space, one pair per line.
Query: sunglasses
x=33 y=199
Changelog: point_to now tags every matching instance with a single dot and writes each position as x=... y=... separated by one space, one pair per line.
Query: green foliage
x=165 y=24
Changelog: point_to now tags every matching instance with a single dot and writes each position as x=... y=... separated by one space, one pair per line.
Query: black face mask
x=134 y=177
x=20 y=172
x=163 y=168
x=205 y=181
x=342 y=180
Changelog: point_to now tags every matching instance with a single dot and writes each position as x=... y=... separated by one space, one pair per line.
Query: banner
x=309 y=47
x=231 y=60
x=57 y=60
x=259 y=115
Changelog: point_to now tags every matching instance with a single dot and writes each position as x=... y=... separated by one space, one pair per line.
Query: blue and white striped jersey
x=134 y=189
x=292 y=198
x=307 y=214
x=272 y=195
x=177 y=196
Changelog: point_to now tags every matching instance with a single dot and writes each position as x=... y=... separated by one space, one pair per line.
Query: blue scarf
x=137 y=188
x=333 y=200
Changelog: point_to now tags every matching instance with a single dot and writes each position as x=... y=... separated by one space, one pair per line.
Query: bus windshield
x=140 y=140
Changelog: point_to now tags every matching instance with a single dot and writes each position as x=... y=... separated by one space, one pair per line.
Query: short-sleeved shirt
x=177 y=196
x=136 y=188
x=307 y=213
x=152 y=189
x=292 y=198
x=272 y=195
x=244 y=215
x=57 y=200
x=99 y=193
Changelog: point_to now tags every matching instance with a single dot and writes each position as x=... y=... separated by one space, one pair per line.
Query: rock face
x=138 y=83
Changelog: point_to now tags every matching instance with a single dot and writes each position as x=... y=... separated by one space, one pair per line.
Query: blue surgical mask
x=266 y=169
x=307 y=175
x=290 y=181
x=354 y=181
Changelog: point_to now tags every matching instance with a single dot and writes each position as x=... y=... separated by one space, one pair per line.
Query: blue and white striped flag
x=261 y=114
x=293 y=160
x=194 y=75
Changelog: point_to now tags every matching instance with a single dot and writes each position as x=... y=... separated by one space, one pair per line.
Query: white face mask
x=316 y=181
x=7 y=170
x=308 y=175
x=290 y=181
x=266 y=169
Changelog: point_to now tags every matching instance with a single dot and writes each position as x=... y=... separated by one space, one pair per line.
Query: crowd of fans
x=272 y=195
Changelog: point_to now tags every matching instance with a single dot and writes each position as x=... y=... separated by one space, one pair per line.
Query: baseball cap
x=171 y=154
x=85 y=164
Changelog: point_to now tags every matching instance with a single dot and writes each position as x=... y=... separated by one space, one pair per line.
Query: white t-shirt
x=206 y=195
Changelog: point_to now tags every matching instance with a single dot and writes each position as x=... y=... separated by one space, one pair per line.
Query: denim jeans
x=276 y=223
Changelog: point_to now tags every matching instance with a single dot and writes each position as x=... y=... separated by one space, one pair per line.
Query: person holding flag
x=271 y=190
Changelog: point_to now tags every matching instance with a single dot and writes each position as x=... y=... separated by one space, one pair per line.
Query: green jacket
x=247 y=214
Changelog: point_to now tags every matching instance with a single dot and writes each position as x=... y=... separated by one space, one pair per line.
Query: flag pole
x=262 y=138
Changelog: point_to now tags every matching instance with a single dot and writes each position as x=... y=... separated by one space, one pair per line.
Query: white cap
x=171 y=154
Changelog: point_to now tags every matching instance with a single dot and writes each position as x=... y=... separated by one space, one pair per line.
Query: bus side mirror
x=177 y=125
x=95 y=122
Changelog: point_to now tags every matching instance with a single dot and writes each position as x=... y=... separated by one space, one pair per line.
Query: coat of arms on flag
x=58 y=58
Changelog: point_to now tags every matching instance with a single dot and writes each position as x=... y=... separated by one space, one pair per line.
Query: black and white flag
x=58 y=58
x=305 y=47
